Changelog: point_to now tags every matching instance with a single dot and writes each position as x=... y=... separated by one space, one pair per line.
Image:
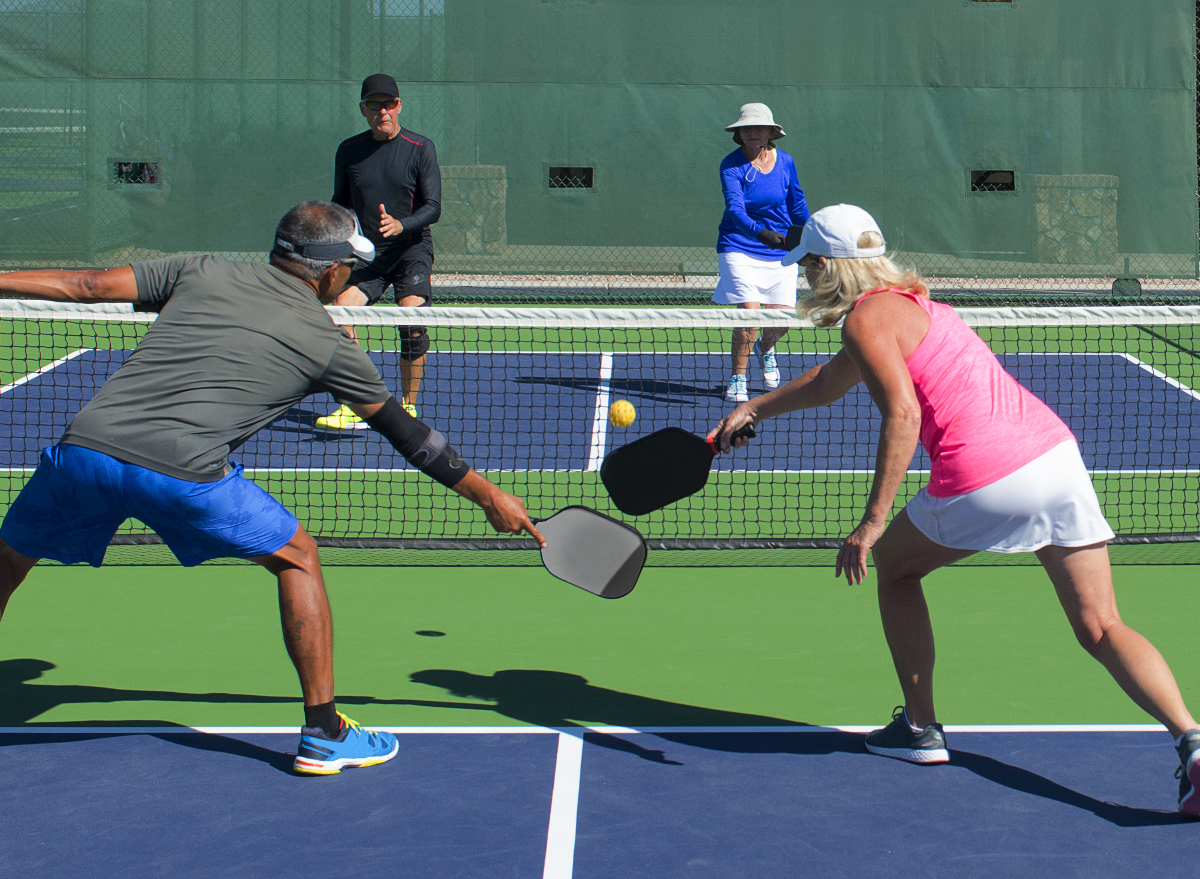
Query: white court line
x=47 y=368
x=600 y=415
x=576 y=732
x=1161 y=375
x=564 y=807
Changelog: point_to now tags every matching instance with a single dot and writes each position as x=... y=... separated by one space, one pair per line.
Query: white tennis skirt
x=1048 y=501
x=746 y=279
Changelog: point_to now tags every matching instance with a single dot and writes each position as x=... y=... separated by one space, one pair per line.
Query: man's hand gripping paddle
x=660 y=469
x=592 y=551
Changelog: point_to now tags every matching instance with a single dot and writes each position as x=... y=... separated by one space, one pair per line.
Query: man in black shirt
x=390 y=178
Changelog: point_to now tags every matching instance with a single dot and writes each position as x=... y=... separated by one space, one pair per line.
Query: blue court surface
x=546 y=411
x=529 y=802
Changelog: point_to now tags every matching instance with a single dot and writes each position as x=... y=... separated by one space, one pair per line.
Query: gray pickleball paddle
x=592 y=551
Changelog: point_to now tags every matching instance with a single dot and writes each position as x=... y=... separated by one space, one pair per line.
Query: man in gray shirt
x=235 y=346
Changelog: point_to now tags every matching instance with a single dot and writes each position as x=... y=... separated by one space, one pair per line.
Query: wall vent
x=562 y=177
x=993 y=181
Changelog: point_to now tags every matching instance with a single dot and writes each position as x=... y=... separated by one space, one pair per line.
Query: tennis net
x=523 y=393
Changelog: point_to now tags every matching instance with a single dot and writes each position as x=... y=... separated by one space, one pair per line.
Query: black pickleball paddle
x=660 y=469
x=592 y=551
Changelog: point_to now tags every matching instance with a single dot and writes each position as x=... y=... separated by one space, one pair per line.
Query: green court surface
x=708 y=647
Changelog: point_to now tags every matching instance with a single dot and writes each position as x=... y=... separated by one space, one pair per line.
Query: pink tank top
x=978 y=424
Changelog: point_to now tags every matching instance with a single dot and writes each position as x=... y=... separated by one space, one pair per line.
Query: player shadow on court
x=1024 y=781
x=562 y=700
x=643 y=389
x=21 y=701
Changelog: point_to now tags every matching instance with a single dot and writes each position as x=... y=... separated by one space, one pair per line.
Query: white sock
x=916 y=729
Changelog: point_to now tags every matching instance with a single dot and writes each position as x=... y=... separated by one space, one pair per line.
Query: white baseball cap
x=756 y=114
x=833 y=232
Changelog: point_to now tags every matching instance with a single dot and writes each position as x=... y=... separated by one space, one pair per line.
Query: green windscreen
x=1031 y=139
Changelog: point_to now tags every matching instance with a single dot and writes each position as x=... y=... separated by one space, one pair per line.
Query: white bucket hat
x=832 y=232
x=756 y=114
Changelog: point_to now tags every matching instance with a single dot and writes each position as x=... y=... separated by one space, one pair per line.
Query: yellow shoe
x=341 y=418
x=410 y=408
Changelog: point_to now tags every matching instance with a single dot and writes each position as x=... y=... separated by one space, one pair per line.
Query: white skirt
x=1048 y=501
x=746 y=279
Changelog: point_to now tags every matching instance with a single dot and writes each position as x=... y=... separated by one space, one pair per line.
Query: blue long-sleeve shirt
x=754 y=201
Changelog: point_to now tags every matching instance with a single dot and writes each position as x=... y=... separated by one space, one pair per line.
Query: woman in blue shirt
x=763 y=200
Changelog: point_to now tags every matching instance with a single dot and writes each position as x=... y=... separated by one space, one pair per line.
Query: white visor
x=833 y=232
x=363 y=248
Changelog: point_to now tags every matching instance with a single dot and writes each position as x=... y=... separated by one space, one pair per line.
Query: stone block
x=1079 y=250
x=473 y=209
x=1078 y=225
x=1086 y=204
x=458 y=214
x=1076 y=217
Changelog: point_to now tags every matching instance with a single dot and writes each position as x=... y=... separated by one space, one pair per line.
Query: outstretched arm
x=872 y=341
x=820 y=386
x=113 y=285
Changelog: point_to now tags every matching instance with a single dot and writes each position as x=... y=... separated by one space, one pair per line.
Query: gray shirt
x=234 y=347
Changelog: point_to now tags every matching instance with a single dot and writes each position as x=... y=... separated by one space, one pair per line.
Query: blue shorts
x=77 y=498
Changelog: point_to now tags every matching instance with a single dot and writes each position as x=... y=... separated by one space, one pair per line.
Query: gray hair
x=311 y=222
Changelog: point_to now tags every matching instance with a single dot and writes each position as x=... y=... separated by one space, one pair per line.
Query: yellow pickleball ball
x=621 y=413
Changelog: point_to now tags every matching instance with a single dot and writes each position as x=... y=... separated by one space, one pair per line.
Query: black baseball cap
x=379 y=84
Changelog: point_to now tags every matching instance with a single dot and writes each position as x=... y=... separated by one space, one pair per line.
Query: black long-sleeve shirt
x=401 y=174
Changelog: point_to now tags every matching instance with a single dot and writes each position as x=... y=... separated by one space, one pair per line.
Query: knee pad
x=414 y=342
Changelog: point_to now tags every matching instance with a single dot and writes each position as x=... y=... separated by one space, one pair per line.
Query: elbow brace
x=421 y=445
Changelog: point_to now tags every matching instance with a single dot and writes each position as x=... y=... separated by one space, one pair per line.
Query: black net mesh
x=524 y=395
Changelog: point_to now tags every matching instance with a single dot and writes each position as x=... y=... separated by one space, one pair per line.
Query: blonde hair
x=843 y=281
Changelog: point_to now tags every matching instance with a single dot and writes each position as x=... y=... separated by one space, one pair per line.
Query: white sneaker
x=736 y=392
x=769 y=368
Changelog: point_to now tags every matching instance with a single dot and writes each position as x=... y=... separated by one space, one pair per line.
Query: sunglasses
x=378 y=105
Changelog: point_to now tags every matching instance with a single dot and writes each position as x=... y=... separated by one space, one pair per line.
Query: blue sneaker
x=770 y=369
x=319 y=755
x=737 y=391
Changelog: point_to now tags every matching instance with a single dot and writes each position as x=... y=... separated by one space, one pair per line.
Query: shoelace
x=357 y=728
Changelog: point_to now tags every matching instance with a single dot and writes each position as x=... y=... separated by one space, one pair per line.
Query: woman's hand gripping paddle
x=660 y=469
x=592 y=551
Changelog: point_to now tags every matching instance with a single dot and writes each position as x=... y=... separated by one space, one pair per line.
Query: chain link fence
x=579 y=141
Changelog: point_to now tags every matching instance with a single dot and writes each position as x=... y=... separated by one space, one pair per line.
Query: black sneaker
x=1188 y=773
x=898 y=740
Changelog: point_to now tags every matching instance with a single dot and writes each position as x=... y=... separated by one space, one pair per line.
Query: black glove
x=773 y=240
x=793 y=237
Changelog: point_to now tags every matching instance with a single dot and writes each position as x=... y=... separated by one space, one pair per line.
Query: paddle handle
x=747 y=432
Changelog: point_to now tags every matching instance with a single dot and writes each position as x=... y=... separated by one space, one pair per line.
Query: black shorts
x=409 y=274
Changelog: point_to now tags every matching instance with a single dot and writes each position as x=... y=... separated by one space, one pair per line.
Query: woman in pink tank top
x=1006 y=476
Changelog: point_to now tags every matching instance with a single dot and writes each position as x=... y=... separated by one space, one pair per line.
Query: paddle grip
x=746 y=431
